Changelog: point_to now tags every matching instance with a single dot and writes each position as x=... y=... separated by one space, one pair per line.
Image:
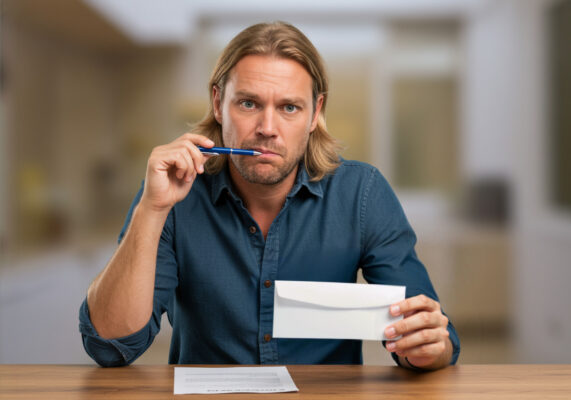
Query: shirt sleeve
x=388 y=241
x=125 y=350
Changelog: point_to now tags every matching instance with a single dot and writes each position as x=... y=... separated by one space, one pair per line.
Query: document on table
x=190 y=380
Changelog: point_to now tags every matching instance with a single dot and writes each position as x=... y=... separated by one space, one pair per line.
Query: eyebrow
x=253 y=96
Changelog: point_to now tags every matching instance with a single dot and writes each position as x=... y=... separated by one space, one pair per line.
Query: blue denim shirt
x=215 y=271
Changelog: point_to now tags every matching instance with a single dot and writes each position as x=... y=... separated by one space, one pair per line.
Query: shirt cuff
x=112 y=352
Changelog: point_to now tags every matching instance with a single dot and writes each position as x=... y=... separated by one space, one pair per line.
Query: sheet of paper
x=190 y=380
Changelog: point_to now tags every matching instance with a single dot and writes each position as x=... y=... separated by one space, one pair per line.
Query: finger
x=426 y=351
x=169 y=160
x=418 y=338
x=176 y=157
x=191 y=141
x=198 y=159
x=415 y=322
x=416 y=303
x=195 y=156
x=183 y=166
x=198 y=140
x=191 y=169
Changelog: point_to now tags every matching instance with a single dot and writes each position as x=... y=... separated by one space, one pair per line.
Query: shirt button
x=267 y=337
x=252 y=229
x=268 y=283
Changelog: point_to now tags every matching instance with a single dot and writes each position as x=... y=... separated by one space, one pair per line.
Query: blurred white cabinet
x=470 y=268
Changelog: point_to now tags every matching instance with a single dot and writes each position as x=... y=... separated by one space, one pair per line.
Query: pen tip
x=257 y=153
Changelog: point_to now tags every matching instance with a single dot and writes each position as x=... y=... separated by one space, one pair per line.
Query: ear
x=318 y=105
x=216 y=103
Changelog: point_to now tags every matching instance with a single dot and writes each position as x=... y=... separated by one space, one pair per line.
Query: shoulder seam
x=364 y=208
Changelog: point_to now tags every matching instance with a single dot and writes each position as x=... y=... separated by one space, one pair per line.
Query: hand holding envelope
x=325 y=310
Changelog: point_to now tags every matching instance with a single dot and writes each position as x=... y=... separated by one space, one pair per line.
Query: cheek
x=299 y=130
x=303 y=123
x=228 y=129
x=246 y=122
x=235 y=128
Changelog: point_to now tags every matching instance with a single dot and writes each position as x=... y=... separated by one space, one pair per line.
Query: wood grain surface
x=314 y=382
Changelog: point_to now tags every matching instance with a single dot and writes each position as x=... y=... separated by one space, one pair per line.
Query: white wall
x=488 y=123
x=543 y=234
x=505 y=134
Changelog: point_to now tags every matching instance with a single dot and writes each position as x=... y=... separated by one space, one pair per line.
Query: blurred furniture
x=470 y=267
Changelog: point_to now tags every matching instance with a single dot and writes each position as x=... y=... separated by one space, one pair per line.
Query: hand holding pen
x=173 y=167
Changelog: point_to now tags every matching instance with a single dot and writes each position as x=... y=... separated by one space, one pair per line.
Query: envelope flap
x=340 y=295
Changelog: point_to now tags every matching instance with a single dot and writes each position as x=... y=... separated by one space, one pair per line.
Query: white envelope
x=325 y=310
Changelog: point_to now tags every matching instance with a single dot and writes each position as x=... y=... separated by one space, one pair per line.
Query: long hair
x=286 y=41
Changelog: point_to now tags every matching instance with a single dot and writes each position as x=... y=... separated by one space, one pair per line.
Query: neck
x=264 y=202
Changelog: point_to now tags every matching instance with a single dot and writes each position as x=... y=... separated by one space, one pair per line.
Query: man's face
x=268 y=107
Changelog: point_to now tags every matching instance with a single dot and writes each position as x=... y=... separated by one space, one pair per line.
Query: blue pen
x=215 y=151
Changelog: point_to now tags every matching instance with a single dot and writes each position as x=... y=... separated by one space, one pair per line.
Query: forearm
x=120 y=299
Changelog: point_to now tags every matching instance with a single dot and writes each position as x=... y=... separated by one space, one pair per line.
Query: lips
x=266 y=152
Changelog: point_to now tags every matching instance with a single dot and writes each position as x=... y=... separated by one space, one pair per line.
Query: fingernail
x=210 y=142
x=391 y=346
x=390 y=332
x=395 y=310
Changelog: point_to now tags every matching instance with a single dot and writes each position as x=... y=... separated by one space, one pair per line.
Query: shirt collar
x=303 y=180
x=221 y=183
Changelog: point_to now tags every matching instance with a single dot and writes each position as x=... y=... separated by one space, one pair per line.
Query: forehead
x=263 y=72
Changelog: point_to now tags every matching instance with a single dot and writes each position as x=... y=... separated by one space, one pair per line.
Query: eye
x=290 y=108
x=247 y=104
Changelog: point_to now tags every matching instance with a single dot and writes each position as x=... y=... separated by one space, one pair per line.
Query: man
x=206 y=238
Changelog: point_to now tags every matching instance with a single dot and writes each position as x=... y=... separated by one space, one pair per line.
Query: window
x=424 y=87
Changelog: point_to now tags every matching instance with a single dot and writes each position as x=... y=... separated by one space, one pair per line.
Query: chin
x=263 y=176
x=263 y=173
x=264 y=179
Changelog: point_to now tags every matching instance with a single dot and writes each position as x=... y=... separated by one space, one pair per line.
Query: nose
x=267 y=122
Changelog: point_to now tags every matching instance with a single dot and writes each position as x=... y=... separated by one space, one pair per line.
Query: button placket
x=268 y=347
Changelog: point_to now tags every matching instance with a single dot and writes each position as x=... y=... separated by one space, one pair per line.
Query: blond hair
x=285 y=41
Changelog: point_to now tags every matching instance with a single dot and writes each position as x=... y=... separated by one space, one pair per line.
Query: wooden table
x=314 y=382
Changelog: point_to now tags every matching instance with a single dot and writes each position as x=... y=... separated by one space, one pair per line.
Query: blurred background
x=464 y=105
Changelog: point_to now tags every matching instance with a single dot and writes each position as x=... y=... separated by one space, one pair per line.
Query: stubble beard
x=247 y=166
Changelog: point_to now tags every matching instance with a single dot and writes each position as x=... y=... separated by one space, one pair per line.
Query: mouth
x=265 y=152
